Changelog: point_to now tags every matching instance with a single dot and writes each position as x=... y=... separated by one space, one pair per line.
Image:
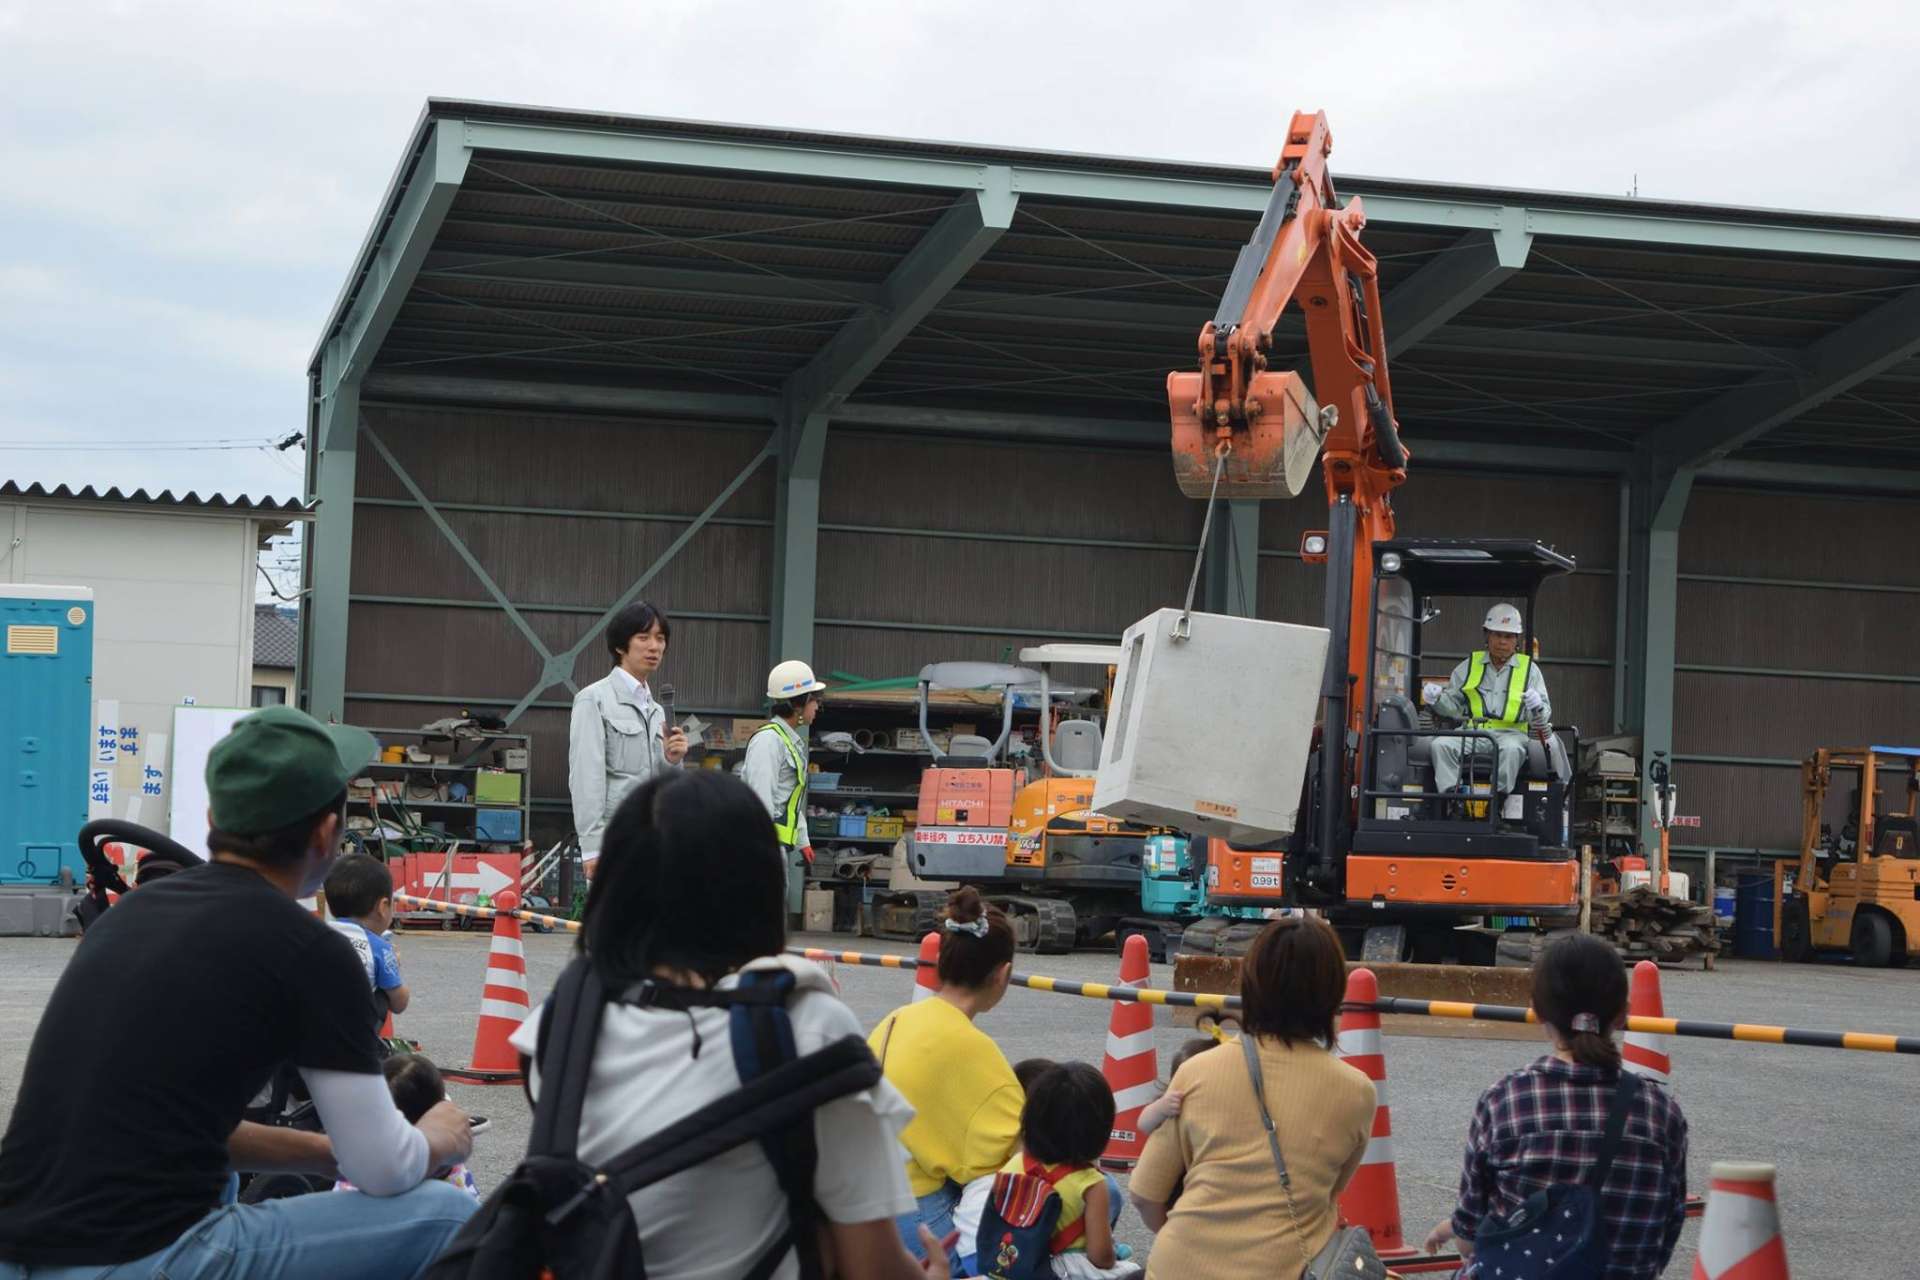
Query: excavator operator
x=1499 y=691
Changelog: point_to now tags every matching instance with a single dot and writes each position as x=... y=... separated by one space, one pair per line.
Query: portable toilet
x=46 y=711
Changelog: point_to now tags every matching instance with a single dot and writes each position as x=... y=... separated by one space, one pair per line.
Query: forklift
x=1857 y=892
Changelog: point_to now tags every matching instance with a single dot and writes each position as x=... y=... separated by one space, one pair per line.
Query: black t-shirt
x=174 y=1012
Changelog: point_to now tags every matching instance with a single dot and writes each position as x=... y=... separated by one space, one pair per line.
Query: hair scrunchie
x=1586 y=1022
x=978 y=928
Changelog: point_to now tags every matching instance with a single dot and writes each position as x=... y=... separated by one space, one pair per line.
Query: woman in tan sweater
x=1231 y=1218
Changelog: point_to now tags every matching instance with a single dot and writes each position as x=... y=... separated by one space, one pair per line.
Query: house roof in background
x=240 y=503
x=276 y=636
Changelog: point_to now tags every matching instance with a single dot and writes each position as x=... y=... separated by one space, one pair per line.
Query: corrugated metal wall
x=1773 y=585
x=898 y=590
x=595 y=502
x=942 y=549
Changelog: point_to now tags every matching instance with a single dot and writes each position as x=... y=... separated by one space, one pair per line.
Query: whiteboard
x=195 y=730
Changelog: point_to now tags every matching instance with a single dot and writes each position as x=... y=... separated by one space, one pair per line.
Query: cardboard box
x=908 y=740
x=743 y=731
x=514 y=758
x=496 y=786
x=819 y=911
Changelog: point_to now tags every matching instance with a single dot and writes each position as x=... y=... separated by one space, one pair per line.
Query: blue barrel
x=1723 y=900
x=1753 y=917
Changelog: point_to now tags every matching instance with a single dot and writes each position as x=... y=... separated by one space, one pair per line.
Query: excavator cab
x=1416 y=582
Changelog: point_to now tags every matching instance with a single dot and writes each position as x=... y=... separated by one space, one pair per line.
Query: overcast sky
x=183 y=185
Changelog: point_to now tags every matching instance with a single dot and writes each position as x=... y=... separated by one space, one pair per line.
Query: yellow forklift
x=1857 y=890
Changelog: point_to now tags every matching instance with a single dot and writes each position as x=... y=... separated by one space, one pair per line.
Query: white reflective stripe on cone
x=506 y=978
x=1119 y=1047
x=1379 y=1151
x=1138 y=1095
x=503 y=1009
x=1357 y=1044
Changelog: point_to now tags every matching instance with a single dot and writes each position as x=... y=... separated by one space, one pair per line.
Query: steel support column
x=336 y=425
x=796 y=539
x=1658 y=505
x=1232 y=580
x=930 y=270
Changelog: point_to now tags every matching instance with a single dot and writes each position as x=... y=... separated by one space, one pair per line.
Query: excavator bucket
x=1468 y=984
x=1272 y=453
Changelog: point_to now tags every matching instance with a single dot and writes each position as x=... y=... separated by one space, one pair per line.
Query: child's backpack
x=1558 y=1233
x=1018 y=1234
x=560 y=1219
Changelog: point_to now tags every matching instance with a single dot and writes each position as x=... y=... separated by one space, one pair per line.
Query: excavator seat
x=1076 y=745
x=968 y=751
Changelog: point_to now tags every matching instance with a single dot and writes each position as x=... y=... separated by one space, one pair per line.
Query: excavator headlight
x=1314 y=544
x=1390 y=562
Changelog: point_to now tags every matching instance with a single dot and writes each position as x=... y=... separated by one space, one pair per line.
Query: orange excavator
x=1403 y=870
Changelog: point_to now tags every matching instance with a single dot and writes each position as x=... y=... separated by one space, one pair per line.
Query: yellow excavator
x=1016 y=823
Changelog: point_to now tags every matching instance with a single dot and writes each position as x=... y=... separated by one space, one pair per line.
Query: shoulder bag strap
x=565 y=1054
x=1266 y=1118
x=1248 y=1047
x=1624 y=1093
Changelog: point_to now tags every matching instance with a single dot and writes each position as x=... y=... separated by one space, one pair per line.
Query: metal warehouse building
x=878 y=403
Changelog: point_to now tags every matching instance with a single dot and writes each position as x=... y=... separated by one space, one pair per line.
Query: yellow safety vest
x=787 y=826
x=1513 y=720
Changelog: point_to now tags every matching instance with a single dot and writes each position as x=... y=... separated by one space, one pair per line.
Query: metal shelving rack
x=458 y=818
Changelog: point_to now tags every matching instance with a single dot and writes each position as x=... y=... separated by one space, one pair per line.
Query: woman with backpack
x=687 y=918
x=1234 y=1218
x=966 y=1099
x=1539 y=1137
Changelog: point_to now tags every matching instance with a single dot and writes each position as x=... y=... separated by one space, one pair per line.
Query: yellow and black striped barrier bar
x=483 y=913
x=1744 y=1032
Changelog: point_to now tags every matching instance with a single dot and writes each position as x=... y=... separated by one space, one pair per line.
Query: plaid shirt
x=1541 y=1126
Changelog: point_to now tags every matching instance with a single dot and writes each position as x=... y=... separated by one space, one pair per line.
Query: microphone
x=666 y=704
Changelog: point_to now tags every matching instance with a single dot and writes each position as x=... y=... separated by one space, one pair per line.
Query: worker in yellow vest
x=1497 y=690
x=776 y=768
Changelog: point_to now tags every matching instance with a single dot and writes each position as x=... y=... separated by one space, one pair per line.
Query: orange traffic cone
x=1131 y=1064
x=1740 y=1238
x=1645 y=1052
x=1372 y=1199
x=926 y=978
x=503 y=1003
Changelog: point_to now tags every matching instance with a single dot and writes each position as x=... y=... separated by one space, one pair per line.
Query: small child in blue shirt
x=359 y=893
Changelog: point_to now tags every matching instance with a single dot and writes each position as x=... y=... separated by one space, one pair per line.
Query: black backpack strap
x=569 y=1030
x=776 y=1100
x=1624 y=1093
x=762 y=1034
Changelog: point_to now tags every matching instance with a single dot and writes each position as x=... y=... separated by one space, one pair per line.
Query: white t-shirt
x=713 y=1221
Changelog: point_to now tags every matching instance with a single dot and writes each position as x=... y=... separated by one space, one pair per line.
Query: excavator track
x=1220 y=936
x=907 y=915
x=1046 y=926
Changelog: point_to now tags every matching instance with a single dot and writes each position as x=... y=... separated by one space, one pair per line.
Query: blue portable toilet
x=46 y=720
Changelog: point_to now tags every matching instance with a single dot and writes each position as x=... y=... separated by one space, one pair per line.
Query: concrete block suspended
x=1208 y=733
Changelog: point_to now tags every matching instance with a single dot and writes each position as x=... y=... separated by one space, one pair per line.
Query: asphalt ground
x=1841 y=1126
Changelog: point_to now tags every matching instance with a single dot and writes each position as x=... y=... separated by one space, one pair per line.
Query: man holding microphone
x=620 y=736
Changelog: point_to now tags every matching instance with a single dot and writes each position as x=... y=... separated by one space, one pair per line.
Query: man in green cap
x=183 y=1002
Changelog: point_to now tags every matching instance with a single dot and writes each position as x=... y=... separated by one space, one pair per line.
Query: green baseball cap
x=279 y=765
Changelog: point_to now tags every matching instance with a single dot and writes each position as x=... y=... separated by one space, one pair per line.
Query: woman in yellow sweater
x=966 y=1101
x=1232 y=1220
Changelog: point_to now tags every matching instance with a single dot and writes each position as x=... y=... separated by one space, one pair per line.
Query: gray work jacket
x=613 y=745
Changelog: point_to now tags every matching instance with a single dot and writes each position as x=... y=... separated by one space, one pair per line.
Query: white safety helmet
x=1504 y=618
x=792 y=679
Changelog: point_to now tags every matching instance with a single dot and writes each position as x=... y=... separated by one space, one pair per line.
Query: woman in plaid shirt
x=1541 y=1125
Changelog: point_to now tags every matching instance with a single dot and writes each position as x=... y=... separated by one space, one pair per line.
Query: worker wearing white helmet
x=1497 y=690
x=776 y=767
